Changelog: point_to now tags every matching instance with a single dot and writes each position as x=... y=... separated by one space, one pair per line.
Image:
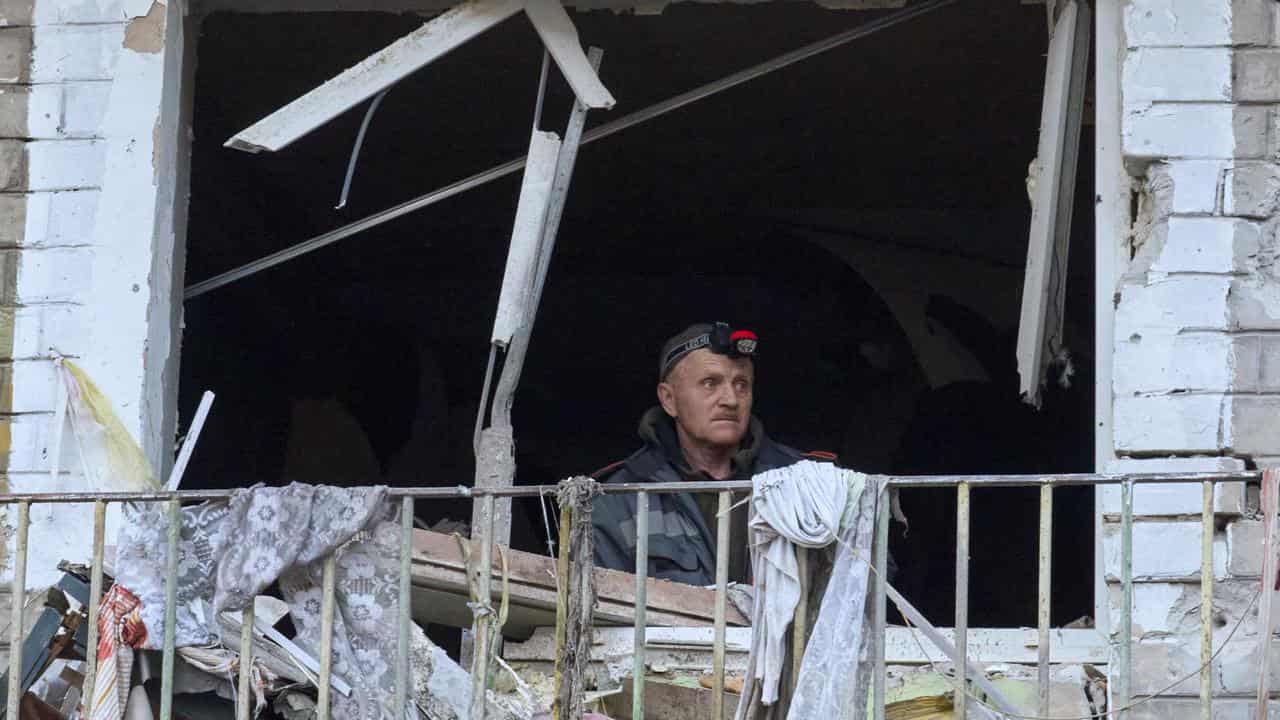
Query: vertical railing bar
x=245 y=692
x=483 y=537
x=1126 y=610
x=801 y=622
x=328 y=588
x=18 y=598
x=1045 y=597
x=95 y=597
x=961 y=659
x=642 y=602
x=1206 y=602
x=562 y=604
x=881 y=605
x=406 y=608
x=170 y=609
x=722 y=604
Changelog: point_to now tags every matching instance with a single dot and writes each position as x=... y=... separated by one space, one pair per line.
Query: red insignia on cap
x=742 y=335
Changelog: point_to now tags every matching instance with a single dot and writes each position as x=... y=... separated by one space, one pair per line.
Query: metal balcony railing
x=1119 y=672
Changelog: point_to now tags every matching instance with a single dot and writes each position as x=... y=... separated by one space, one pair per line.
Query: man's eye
x=708 y=383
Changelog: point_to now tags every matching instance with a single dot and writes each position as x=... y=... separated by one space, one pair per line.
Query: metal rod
x=245 y=692
x=462 y=491
x=170 y=610
x=962 y=599
x=18 y=598
x=562 y=604
x=328 y=586
x=1045 y=590
x=881 y=605
x=406 y=608
x=722 y=604
x=800 y=624
x=1123 y=673
x=355 y=149
x=627 y=121
x=482 y=630
x=642 y=602
x=542 y=89
x=95 y=599
x=1206 y=603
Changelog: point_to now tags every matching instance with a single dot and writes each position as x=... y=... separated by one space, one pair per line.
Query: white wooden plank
x=561 y=39
x=1052 y=195
x=526 y=236
x=903 y=646
x=373 y=74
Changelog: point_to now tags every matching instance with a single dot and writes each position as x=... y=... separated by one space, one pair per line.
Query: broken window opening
x=870 y=224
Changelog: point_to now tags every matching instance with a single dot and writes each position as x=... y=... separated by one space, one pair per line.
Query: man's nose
x=729 y=396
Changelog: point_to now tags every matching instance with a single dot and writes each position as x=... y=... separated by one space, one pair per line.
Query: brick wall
x=83 y=178
x=1197 y=359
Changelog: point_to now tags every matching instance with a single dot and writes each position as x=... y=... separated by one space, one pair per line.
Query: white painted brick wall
x=1208 y=245
x=40 y=330
x=1162 y=551
x=1163 y=23
x=33 y=388
x=1187 y=423
x=67 y=110
x=60 y=218
x=1187 y=708
x=75 y=52
x=1161 y=362
x=55 y=275
x=57 y=12
x=1174 y=608
x=1177 y=74
x=1175 y=498
x=1158 y=663
x=65 y=164
x=1196 y=185
x=1173 y=304
x=1244 y=546
x=1180 y=130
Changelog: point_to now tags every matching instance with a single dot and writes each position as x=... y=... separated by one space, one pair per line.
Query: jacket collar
x=658 y=431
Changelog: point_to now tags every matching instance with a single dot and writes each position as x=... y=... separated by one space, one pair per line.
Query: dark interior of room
x=806 y=205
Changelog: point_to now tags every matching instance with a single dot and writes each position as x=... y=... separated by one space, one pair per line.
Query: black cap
x=718 y=337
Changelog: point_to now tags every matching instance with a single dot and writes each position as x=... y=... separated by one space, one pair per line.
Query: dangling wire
x=355 y=151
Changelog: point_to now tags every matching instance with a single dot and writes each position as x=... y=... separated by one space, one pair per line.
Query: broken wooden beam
x=440 y=592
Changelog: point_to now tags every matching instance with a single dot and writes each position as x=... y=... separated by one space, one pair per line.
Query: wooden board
x=440 y=592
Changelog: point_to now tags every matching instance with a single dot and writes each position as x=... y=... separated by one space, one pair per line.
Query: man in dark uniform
x=702 y=429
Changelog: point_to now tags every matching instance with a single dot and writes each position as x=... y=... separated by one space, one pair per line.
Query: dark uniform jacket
x=681 y=525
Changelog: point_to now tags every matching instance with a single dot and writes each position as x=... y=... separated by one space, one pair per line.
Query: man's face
x=709 y=396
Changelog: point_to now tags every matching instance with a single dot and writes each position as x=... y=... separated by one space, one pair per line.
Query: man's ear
x=667 y=397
